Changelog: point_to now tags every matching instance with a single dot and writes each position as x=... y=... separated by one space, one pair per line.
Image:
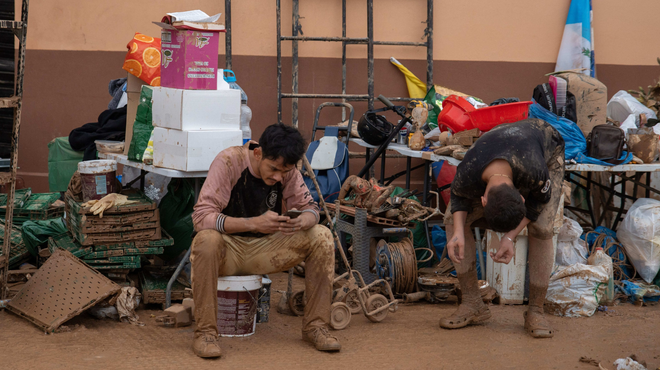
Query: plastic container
x=109 y=146
x=454 y=114
x=98 y=178
x=486 y=119
x=600 y=258
x=246 y=112
x=237 y=305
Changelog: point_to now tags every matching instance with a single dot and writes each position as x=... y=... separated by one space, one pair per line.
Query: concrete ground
x=407 y=339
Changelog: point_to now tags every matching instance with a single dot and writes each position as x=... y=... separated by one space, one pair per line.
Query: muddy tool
x=283 y=306
x=354 y=295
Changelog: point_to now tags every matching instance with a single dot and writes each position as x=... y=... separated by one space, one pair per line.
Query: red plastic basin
x=486 y=119
x=454 y=114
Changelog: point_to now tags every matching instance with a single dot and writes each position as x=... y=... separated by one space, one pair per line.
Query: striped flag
x=577 y=44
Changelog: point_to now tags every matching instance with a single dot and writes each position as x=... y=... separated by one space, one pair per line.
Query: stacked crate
x=18 y=253
x=33 y=206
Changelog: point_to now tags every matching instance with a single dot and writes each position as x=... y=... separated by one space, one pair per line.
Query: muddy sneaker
x=322 y=339
x=206 y=345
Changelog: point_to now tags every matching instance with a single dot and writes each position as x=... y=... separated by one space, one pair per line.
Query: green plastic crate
x=66 y=242
x=18 y=252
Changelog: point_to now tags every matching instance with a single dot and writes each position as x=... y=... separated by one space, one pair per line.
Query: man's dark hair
x=504 y=208
x=282 y=141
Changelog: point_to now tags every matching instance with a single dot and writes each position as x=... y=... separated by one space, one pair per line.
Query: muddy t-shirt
x=528 y=146
x=232 y=190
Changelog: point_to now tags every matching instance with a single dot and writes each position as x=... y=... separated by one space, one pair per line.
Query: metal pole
x=343 y=59
x=294 y=63
x=279 y=62
x=228 y=34
x=429 y=44
x=370 y=52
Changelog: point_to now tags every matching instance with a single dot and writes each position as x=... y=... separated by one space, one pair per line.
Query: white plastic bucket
x=98 y=178
x=237 y=305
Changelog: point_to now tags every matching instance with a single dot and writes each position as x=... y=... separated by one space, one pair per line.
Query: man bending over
x=512 y=177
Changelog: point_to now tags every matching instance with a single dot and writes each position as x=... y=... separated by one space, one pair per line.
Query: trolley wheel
x=353 y=302
x=374 y=302
x=340 y=316
x=297 y=303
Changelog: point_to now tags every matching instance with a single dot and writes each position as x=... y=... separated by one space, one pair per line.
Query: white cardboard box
x=190 y=110
x=191 y=150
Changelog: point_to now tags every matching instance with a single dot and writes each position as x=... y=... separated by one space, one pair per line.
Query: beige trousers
x=215 y=254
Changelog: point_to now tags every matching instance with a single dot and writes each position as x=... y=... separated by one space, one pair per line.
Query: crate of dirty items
x=137 y=221
x=112 y=256
x=18 y=252
x=39 y=206
x=20 y=196
x=153 y=288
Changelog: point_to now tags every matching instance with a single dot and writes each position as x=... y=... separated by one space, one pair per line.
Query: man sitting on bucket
x=241 y=231
x=512 y=177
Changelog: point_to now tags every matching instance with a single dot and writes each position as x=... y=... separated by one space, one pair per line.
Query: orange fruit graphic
x=151 y=57
x=133 y=66
x=143 y=38
x=155 y=81
x=134 y=47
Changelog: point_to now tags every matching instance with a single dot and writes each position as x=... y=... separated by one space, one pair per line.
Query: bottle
x=599 y=257
x=246 y=112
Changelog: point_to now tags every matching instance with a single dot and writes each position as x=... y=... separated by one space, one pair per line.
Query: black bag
x=569 y=111
x=543 y=95
x=605 y=142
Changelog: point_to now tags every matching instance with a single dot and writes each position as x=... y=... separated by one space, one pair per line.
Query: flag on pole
x=577 y=48
x=416 y=88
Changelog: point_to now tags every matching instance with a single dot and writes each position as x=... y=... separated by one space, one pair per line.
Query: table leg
x=589 y=206
x=382 y=167
x=196 y=187
x=168 y=291
x=648 y=184
x=427 y=165
x=143 y=173
x=408 y=165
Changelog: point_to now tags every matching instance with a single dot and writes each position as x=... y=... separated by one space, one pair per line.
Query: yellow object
x=108 y=201
x=416 y=88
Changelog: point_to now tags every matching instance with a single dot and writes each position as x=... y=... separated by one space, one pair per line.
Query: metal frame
x=16 y=102
x=369 y=41
x=588 y=216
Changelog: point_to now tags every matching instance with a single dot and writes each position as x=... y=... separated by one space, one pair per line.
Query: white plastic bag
x=570 y=248
x=575 y=290
x=640 y=235
x=623 y=104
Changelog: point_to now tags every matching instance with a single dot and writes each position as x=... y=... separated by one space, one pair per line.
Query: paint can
x=98 y=178
x=237 y=305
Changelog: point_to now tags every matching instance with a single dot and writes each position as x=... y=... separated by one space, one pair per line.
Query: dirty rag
x=127 y=302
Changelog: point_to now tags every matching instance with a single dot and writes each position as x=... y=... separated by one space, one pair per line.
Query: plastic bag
x=575 y=290
x=637 y=291
x=640 y=235
x=142 y=127
x=143 y=58
x=575 y=142
x=176 y=216
x=570 y=248
x=623 y=104
x=127 y=302
x=36 y=233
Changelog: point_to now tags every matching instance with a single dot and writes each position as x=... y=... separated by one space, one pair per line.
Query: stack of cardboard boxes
x=194 y=116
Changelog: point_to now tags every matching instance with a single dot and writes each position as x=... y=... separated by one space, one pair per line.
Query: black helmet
x=373 y=128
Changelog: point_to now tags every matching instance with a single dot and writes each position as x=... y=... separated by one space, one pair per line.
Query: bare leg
x=472 y=309
x=540 y=268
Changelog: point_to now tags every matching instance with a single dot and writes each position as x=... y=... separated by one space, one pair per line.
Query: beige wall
x=479 y=30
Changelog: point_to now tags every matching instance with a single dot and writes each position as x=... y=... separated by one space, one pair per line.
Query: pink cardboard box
x=189 y=59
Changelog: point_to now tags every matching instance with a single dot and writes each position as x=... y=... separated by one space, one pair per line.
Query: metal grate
x=61 y=289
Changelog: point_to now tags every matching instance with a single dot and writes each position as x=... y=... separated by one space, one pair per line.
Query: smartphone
x=293 y=214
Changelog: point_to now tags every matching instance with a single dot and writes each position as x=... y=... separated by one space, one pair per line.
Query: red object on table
x=486 y=119
x=454 y=114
